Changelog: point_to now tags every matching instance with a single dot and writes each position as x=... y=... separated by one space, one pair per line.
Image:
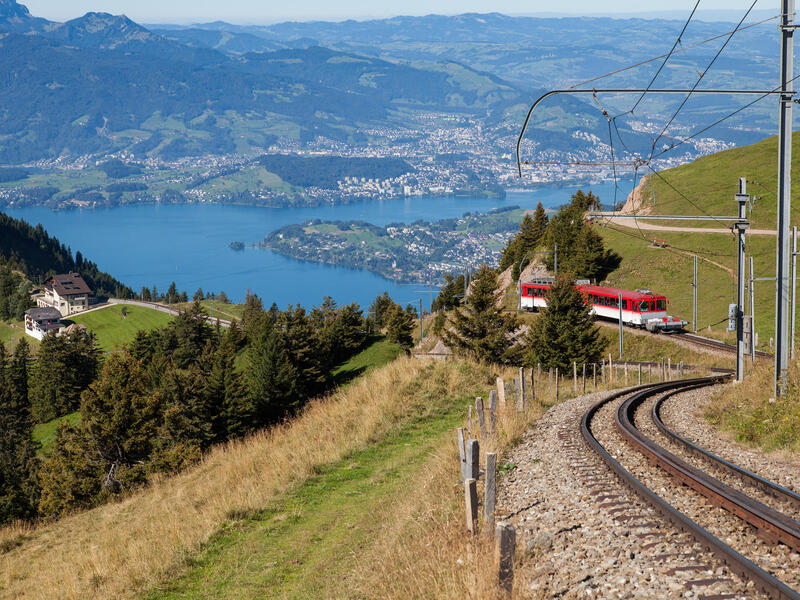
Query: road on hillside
x=649 y=225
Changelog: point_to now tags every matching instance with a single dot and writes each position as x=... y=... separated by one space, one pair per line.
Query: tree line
x=171 y=394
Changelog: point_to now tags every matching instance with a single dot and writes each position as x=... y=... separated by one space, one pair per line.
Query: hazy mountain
x=17 y=18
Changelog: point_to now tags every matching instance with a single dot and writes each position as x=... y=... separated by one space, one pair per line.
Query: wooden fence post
x=574 y=378
x=469 y=421
x=610 y=369
x=523 y=388
x=550 y=377
x=505 y=542
x=493 y=411
x=533 y=387
x=669 y=369
x=640 y=373
x=462 y=454
x=501 y=393
x=481 y=417
x=490 y=492
x=584 y=378
x=471 y=504
x=473 y=459
x=594 y=375
x=603 y=370
x=626 y=373
x=556 y=384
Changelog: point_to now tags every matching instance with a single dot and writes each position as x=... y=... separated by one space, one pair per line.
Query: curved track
x=764 y=518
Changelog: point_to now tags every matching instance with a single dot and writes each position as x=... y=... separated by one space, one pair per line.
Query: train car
x=640 y=308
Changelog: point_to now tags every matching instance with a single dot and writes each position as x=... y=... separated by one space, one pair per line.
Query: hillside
x=710 y=182
x=363 y=445
x=37 y=254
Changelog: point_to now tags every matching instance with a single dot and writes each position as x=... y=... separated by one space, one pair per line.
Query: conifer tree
x=379 y=311
x=450 y=294
x=400 y=327
x=271 y=378
x=19 y=489
x=565 y=331
x=302 y=349
x=480 y=328
x=64 y=367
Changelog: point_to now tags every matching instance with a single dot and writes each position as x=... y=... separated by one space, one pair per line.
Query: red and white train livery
x=640 y=308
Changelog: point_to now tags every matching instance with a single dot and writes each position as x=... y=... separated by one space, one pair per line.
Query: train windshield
x=644 y=306
x=661 y=305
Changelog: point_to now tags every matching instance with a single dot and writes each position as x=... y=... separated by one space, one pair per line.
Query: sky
x=255 y=12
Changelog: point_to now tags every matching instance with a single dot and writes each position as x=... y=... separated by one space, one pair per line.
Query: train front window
x=661 y=305
x=644 y=306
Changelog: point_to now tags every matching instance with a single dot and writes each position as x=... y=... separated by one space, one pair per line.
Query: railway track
x=699 y=340
x=770 y=523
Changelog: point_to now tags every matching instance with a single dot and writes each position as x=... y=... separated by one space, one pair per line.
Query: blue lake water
x=156 y=244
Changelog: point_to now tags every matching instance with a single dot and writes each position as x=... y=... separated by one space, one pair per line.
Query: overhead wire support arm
x=625 y=91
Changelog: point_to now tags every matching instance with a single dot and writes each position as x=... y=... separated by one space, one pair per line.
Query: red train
x=640 y=308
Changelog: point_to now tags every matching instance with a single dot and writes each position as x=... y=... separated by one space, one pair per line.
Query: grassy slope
x=347 y=444
x=45 y=433
x=220 y=310
x=15 y=331
x=113 y=331
x=304 y=544
x=711 y=183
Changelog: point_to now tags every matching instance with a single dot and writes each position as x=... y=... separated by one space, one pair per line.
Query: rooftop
x=41 y=314
x=69 y=284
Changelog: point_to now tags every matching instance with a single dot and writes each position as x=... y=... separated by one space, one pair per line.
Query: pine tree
x=480 y=328
x=302 y=349
x=565 y=331
x=172 y=294
x=379 y=311
x=19 y=489
x=64 y=367
x=400 y=327
x=271 y=378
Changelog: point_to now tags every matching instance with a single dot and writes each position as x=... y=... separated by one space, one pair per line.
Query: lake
x=151 y=244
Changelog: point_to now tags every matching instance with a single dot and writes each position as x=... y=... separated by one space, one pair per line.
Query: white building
x=67 y=293
x=40 y=321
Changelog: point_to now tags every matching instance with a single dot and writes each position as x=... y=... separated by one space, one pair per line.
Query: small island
x=236 y=245
x=419 y=252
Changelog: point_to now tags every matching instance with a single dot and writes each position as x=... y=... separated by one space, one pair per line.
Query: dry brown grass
x=750 y=413
x=426 y=552
x=121 y=549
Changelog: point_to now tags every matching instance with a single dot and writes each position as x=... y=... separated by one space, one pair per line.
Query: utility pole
x=420 y=321
x=620 y=326
x=694 y=286
x=784 y=196
x=555 y=258
x=752 y=312
x=741 y=226
x=794 y=287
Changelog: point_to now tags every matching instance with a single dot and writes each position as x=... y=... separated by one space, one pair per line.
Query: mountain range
x=103 y=84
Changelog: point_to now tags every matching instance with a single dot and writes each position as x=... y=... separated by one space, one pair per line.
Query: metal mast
x=783 y=285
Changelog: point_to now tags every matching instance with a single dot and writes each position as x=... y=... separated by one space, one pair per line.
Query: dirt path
x=648 y=225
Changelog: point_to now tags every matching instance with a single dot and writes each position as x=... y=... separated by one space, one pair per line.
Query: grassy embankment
x=216 y=309
x=364 y=477
x=15 y=331
x=710 y=182
x=113 y=330
x=753 y=416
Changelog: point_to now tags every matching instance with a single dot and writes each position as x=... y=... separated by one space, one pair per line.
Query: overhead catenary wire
x=667 y=57
x=700 y=78
x=682 y=49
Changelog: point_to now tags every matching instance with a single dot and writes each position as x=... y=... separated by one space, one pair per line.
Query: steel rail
x=771 y=488
x=699 y=340
x=775 y=524
x=735 y=561
x=626 y=91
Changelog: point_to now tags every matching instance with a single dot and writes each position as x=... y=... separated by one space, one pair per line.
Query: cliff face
x=639 y=200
